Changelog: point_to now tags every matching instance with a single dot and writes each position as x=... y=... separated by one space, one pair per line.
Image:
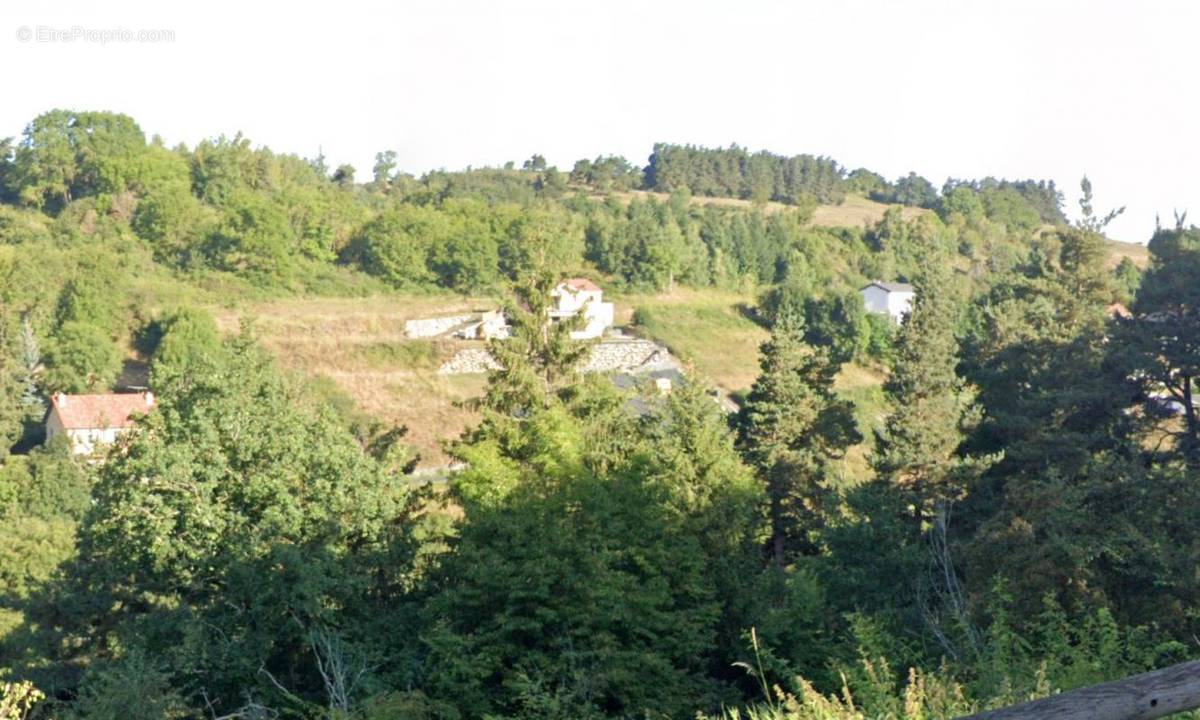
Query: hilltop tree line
x=228 y=206
x=1027 y=521
x=112 y=209
x=735 y=172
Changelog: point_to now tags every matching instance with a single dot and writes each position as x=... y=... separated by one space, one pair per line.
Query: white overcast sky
x=1045 y=89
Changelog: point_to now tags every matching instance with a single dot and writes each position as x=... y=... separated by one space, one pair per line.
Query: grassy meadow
x=709 y=329
x=712 y=331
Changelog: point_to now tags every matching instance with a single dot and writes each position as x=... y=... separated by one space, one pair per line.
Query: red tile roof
x=95 y=412
x=581 y=284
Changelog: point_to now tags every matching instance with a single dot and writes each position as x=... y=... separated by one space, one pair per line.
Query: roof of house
x=890 y=286
x=1118 y=310
x=581 y=285
x=94 y=412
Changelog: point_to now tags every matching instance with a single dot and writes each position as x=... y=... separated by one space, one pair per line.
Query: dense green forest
x=1030 y=521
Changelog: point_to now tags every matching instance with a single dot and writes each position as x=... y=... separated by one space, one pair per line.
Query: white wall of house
x=900 y=304
x=895 y=303
x=876 y=299
x=599 y=318
x=84 y=441
x=569 y=302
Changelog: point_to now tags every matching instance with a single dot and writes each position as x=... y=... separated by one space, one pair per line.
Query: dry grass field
x=628 y=195
x=858 y=211
x=1137 y=252
x=855 y=210
x=359 y=345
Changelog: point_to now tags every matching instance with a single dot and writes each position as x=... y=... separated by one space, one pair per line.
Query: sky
x=966 y=89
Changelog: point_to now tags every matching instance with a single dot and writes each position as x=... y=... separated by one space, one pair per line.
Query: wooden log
x=1140 y=697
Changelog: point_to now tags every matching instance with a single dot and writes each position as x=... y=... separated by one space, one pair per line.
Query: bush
x=130 y=688
x=187 y=337
x=81 y=358
x=839 y=323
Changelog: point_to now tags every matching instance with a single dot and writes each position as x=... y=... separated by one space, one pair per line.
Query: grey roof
x=890 y=286
x=631 y=381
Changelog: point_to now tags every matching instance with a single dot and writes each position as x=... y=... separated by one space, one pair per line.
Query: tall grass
x=924 y=696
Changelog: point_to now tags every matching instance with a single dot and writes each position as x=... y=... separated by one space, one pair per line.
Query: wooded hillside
x=989 y=502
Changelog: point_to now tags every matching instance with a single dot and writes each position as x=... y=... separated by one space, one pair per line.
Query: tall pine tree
x=1159 y=348
x=539 y=358
x=790 y=428
x=918 y=447
x=918 y=457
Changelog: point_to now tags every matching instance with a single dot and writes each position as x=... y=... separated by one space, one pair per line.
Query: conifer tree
x=918 y=459
x=11 y=410
x=1159 y=348
x=1055 y=408
x=790 y=428
x=918 y=447
x=1038 y=357
x=539 y=358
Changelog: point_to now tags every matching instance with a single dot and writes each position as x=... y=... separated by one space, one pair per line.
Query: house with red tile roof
x=91 y=422
x=580 y=295
x=582 y=285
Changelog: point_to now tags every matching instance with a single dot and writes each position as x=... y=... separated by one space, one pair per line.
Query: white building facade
x=892 y=299
x=580 y=295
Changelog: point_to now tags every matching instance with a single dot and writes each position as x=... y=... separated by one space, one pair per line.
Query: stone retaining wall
x=610 y=356
x=469 y=361
x=432 y=327
x=625 y=355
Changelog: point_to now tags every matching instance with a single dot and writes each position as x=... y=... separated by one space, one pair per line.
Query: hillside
x=208 y=509
x=358 y=345
x=858 y=211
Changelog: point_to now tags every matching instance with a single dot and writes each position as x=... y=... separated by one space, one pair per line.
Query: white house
x=576 y=295
x=92 y=421
x=892 y=299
